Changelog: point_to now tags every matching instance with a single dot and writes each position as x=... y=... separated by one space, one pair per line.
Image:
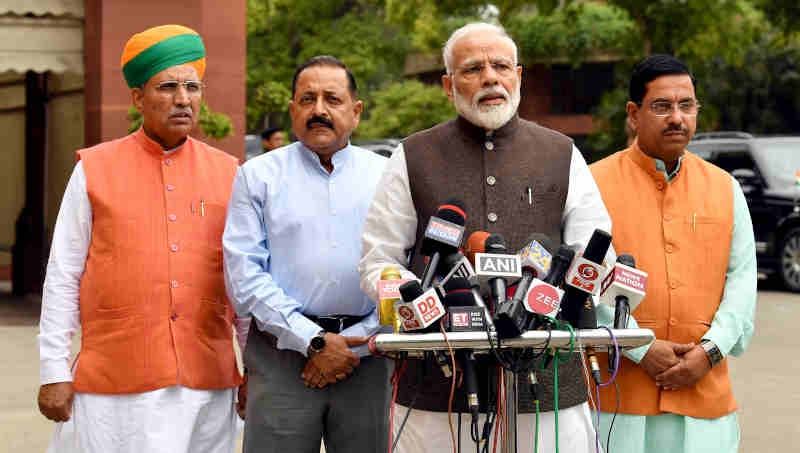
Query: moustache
x=677 y=128
x=320 y=120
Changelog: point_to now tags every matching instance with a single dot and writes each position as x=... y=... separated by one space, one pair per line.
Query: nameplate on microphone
x=443 y=231
x=536 y=256
x=390 y=289
x=461 y=270
x=422 y=311
x=543 y=299
x=632 y=279
x=497 y=265
x=586 y=275
x=465 y=319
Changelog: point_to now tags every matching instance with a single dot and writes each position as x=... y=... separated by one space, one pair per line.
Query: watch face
x=318 y=343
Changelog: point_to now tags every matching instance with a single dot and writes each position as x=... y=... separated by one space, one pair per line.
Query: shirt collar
x=154 y=148
x=338 y=159
x=481 y=135
x=656 y=167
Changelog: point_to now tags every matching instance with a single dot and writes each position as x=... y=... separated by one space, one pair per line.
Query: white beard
x=490 y=117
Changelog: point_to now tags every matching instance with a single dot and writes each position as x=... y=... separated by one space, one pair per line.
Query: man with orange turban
x=136 y=264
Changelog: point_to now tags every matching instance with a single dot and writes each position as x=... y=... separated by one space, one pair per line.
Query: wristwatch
x=317 y=343
x=712 y=352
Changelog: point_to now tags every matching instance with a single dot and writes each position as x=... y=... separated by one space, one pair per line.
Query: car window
x=730 y=160
x=782 y=161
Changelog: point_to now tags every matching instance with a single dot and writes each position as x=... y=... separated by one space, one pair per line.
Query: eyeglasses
x=665 y=108
x=193 y=87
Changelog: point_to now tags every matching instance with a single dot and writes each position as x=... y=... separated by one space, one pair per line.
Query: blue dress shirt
x=292 y=241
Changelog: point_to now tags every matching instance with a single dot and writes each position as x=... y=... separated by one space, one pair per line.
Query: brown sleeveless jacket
x=491 y=174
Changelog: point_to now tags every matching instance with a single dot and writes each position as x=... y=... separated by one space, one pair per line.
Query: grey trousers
x=284 y=416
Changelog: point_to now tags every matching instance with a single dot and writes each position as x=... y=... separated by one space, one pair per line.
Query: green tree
x=403 y=108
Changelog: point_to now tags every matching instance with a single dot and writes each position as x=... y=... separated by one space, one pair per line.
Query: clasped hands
x=334 y=363
x=674 y=365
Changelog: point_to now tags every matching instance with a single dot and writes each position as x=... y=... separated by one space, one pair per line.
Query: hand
x=55 y=401
x=241 y=405
x=691 y=367
x=334 y=363
x=663 y=355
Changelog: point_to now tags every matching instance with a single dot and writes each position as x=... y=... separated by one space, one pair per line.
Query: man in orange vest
x=687 y=224
x=136 y=264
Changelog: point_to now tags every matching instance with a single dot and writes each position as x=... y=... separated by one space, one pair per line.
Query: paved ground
x=765 y=378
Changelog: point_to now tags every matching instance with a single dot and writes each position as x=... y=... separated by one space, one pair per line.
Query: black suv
x=768 y=169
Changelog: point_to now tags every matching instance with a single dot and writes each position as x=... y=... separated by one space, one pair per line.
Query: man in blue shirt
x=291 y=247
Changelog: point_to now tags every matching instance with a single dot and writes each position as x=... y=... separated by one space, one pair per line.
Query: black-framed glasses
x=665 y=108
x=193 y=87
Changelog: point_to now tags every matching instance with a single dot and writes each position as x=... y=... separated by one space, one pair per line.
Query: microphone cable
x=399 y=368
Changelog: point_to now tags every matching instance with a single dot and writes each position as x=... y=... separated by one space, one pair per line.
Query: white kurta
x=174 y=419
x=385 y=242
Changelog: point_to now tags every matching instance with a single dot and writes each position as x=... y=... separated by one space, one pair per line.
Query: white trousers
x=169 y=420
x=429 y=432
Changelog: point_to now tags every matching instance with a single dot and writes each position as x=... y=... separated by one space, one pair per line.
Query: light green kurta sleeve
x=733 y=324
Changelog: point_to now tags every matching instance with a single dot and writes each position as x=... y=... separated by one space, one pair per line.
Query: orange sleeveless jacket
x=680 y=234
x=153 y=307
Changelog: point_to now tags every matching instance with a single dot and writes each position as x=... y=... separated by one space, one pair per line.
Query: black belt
x=335 y=323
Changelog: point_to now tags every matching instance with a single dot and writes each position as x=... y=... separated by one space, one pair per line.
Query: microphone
x=623 y=288
x=455 y=265
x=583 y=280
x=544 y=296
x=419 y=310
x=462 y=313
x=511 y=319
x=476 y=243
x=497 y=265
x=442 y=237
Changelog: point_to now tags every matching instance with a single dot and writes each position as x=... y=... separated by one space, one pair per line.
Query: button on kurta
x=491 y=180
x=489 y=145
x=174 y=247
x=168 y=161
x=673 y=284
x=170 y=187
x=670 y=248
x=673 y=322
x=667 y=218
x=660 y=185
x=492 y=217
x=172 y=217
x=174 y=283
x=173 y=316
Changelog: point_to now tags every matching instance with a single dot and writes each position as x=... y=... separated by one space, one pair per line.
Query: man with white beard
x=514 y=178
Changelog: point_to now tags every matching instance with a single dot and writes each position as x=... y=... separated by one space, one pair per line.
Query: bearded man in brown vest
x=136 y=264
x=514 y=178
x=687 y=224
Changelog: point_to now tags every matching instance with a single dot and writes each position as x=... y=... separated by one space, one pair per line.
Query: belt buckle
x=339 y=320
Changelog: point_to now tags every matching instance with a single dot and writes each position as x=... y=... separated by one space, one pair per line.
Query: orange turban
x=158 y=48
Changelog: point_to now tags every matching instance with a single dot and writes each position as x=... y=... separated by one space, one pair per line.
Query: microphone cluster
x=548 y=284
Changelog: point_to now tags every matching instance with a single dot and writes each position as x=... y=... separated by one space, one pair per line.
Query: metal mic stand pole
x=510 y=427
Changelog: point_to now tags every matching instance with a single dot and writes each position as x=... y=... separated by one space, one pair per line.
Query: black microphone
x=512 y=318
x=459 y=302
x=622 y=307
x=442 y=237
x=411 y=292
x=582 y=281
x=496 y=244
